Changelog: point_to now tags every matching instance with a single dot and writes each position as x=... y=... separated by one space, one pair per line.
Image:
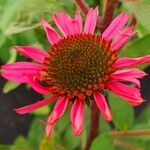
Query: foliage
x=19 y=25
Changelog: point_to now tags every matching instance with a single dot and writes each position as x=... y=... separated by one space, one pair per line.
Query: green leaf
x=137 y=48
x=69 y=140
x=20 y=143
x=141 y=12
x=9 y=12
x=146 y=1
x=13 y=56
x=36 y=133
x=122 y=112
x=9 y=85
x=104 y=126
x=144 y=116
x=5 y=147
x=102 y=142
x=47 y=144
x=41 y=111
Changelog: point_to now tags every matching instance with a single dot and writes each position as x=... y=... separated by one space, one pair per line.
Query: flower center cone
x=79 y=65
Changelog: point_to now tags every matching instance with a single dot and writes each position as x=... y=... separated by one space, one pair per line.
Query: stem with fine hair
x=94 y=125
x=107 y=17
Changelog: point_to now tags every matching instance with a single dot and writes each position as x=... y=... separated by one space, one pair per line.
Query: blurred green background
x=19 y=25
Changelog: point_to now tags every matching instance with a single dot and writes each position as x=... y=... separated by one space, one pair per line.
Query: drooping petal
x=37 y=86
x=56 y=114
x=77 y=116
x=133 y=73
x=115 y=26
x=131 y=94
x=91 y=20
x=18 y=78
x=131 y=62
x=49 y=129
x=122 y=38
x=32 y=52
x=128 y=75
x=20 y=71
x=102 y=105
x=67 y=25
x=21 y=66
x=29 y=108
x=52 y=36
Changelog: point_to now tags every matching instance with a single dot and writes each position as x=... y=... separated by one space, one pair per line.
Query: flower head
x=79 y=66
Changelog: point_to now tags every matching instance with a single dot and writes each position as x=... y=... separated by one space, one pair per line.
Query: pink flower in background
x=79 y=66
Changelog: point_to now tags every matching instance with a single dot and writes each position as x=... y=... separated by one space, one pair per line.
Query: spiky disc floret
x=78 y=65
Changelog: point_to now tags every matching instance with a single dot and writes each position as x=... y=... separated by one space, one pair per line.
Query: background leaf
x=122 y=112
x=103 y=142
x=9 y=85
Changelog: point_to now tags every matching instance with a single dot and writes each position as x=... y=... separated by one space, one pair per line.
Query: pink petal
x=123 y=37
x=37 y=86
x=77 y=23
x=32 y=52
x=67 y=25
x=29 y=108
x=21 y=66
x=77 y=116
x=128 y=75
x=49 y=129
x=102 y=105
x=131 y=94
x=56 y=113
x=52 y=36
x=115 y=26
x=131 y=62
x=20 y=71
x=18 y=78
x=91 y=20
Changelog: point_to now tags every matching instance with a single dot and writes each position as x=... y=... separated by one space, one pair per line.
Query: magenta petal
x=75 y=24
x=102 y=105
x=131 y=62
x=77 y=116
x=29 y=108
x=78 y=23
x=131 y=94
x=49 y=129
x=128 y=75
x=20 y=71
x=12 y=77
x=56 y=114
x=60 y=21
x=115 y=26
x=52 y=36
x=36 y=85
x=123 y=37
x=32 y=52
x=91 y=20
x=67 y=25
x=22 y=67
